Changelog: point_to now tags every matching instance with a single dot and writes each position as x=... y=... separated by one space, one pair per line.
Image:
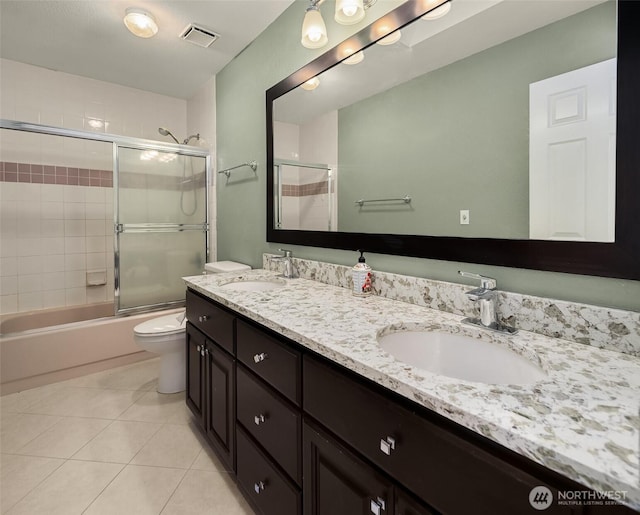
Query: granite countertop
x=582 y=421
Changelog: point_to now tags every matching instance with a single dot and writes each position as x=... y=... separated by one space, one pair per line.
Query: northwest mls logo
x=540 y=498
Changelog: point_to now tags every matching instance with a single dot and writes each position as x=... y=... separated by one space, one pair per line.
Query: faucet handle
x=287 y=253
x=485 y=282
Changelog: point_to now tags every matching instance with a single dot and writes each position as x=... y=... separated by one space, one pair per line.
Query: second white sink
x=461 y=357
x=257 y=285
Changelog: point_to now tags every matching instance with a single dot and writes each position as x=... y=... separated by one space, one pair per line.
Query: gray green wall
x=458 y=137
x=241 y=201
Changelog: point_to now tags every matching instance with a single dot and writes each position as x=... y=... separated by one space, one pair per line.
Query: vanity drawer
x=429 y=460
x=266 y=488
x=213 y=321
x=275 y=362
x=270 y=421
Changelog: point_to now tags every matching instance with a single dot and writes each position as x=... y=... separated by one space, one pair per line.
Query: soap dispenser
x=361 y=274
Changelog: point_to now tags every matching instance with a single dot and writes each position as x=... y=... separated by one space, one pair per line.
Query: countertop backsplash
x=606 y=328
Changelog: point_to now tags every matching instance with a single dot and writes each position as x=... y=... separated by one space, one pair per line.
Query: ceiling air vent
x=198 y=35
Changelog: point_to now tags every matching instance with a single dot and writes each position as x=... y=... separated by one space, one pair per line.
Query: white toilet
x=165 y=335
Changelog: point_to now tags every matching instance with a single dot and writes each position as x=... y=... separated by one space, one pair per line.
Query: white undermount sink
x=253 y=285
x=461 y=357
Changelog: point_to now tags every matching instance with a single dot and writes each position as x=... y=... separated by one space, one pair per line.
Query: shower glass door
x=161 y=225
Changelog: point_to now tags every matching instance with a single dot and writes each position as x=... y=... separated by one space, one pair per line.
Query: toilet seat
x=167 y=325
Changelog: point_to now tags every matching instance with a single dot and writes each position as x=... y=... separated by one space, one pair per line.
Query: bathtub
x=32 y=353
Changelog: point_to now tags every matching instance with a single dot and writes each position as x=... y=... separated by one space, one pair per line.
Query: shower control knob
x=203 y=318
x=260 y=357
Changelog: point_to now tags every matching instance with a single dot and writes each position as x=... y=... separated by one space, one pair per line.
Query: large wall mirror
x=504 y=132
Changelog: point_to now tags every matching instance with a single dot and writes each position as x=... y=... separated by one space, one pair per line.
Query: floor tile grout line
x=39 y=483
x=174 y=491
x=106 y=486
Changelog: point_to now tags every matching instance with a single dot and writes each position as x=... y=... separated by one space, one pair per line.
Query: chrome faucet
x=486 y=297
x=288 y=265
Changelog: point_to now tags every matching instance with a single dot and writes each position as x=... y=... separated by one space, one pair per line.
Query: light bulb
x=311 y=84
x=314 y=31
x=349 y=12
x=438 y=12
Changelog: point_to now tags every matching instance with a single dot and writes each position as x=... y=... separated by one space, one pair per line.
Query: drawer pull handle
x=387 y=445
x=378 y=506
x=259 y=419
x=259 y=486
x=203 y=318
x=260 y=357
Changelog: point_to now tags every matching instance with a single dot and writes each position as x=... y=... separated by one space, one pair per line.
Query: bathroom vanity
x=311 y=416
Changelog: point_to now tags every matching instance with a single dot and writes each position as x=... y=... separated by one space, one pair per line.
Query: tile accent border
x=303 y=190
x=50 y=174
x=605 y=328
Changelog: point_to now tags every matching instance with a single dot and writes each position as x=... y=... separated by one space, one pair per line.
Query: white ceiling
x=88 y=38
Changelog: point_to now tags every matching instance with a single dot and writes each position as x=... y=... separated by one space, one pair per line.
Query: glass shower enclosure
x=100 y=218
x=160 y=225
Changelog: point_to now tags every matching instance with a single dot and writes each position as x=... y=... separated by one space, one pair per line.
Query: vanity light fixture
x=392 y=38
x=349 y=12
x=311 y=84
x=438 y=12
x=314 y=31
x=140 y=23
x=356 y=58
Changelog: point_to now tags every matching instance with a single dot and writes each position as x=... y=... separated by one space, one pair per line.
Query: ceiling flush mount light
x=438 y=12
x=311 y=84
x=314 y=31
x=140 y=23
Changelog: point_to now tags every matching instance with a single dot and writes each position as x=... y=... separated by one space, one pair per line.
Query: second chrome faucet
x=288 y=272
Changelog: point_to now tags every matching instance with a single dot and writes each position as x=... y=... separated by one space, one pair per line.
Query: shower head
x=167 y=132
x=187 y=140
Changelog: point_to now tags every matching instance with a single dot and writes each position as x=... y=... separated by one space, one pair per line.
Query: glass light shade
x=438 y=12
x=349 y=12
x=314 y=31
x=140 y=23
x=311 y=84
x=392 y=38
x=356 y=58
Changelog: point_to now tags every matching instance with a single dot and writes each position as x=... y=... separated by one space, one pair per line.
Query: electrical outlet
x=464 y=217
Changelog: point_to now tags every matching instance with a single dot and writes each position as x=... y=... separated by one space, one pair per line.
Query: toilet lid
x=168 y=324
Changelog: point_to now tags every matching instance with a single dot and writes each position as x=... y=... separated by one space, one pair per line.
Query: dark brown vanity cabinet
x=307 y=436
x=210 y=374
x=269 y=465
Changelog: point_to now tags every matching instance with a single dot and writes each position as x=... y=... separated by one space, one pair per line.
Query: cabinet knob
x=387 y=445
x=203 y=318
x=202 y=350
x=260 y=357
x=198 y=348
x=259 y=486
x=378 y=506
x=259 y=419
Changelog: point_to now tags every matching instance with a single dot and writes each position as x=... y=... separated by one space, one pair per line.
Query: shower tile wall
x=55 y=227
x=305 y=195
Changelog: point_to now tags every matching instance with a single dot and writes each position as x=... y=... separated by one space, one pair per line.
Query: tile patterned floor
x=108 y=443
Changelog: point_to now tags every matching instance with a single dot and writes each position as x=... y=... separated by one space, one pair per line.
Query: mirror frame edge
x=620 y=259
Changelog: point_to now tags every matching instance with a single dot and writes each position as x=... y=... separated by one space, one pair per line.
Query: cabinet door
x=195 y=371
x=337 y=483
x=220 y=403
x=405 y=505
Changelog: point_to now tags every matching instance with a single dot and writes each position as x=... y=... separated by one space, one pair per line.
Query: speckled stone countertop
x=582 y=421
